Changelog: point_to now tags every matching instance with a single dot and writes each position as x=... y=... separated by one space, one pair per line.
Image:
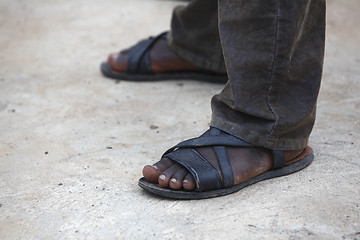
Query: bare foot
x=162 y=57
x=245 y=162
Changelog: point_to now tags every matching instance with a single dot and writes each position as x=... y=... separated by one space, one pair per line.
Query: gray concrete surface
x=72 y=143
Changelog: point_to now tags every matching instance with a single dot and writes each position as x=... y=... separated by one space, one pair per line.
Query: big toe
x=167 y=173
x=152 y=173
x=118 y=62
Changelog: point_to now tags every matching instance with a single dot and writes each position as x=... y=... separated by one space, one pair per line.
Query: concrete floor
x=72 y=143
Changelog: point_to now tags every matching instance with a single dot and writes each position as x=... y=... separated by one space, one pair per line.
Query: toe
x=166 y=175
x=152 y=173
x=118 y=62
x=177 y=179
x=189 y=182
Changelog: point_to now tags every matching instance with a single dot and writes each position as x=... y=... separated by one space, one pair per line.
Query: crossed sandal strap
x=205 y=174
x=224 y=162
x=139 y=55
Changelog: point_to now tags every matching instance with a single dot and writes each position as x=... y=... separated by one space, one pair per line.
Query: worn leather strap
x=139 y=56
x=206 y=176
x=279 y=158
x=223 y=160
x=205 y=141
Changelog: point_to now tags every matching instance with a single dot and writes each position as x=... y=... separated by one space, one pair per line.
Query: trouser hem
x=259 y=139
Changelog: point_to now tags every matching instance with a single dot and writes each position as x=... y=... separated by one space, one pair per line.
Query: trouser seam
x=272 y=73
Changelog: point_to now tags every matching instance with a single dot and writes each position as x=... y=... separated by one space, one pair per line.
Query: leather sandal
x=208 y=181
x=139 y=67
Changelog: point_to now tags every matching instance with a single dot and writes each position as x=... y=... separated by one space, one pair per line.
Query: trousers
x=272 y=52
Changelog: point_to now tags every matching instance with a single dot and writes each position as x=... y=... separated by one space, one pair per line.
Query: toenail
x=155 y=167
x=185 y=181
x=162 y=177
x=173 y=180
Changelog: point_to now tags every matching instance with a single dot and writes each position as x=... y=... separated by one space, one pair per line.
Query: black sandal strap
x=206 y=176
x=195 y=163
x=206 y=141
x=139 y=58
x=223 y=160
x=225 y=167
x=279 y=158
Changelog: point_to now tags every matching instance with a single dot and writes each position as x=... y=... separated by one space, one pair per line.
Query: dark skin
x=163 y=59
x=246 y=163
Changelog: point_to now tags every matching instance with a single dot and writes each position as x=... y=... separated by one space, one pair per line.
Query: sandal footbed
x=186 y=75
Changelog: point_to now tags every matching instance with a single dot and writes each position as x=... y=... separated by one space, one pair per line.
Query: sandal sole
x=200 y=76
x=191 y=195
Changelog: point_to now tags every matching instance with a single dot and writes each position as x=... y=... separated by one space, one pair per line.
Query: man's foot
x=162 y=59
x=152 y=60
x=246 y=163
